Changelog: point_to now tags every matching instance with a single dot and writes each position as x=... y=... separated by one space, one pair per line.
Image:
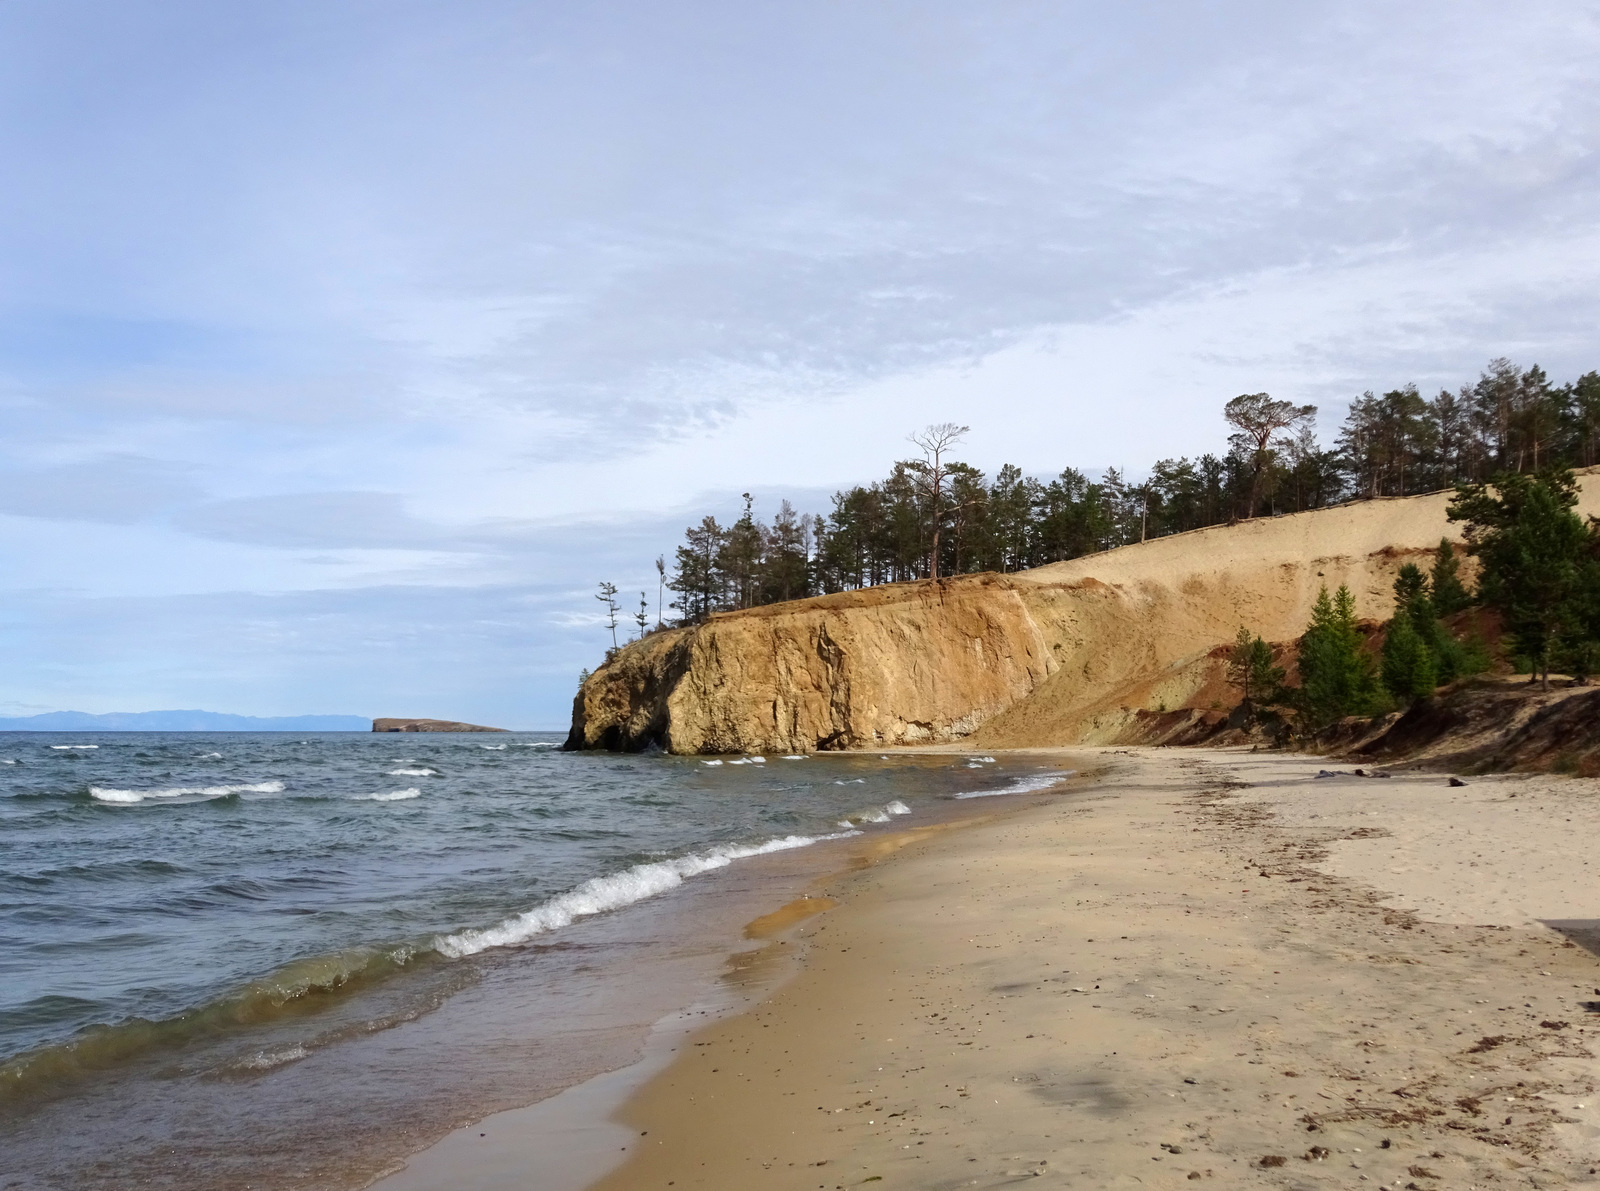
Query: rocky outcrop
x=397 y=725
x=1078 y=652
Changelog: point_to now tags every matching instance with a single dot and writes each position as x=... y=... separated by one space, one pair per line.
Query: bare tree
x=608 y=597
x=661 y=585
x=935 y=442
x=642 y=616
x=1257 y=417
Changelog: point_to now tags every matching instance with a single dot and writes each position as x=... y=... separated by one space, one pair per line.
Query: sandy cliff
x=1063 y=654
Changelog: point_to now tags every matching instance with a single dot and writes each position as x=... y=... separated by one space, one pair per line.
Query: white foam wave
x=877 y=814
x=414 y=773
x=391 y=795
x=210 y=756
x=600 y=894
x=795 y=757
x=981 y=760
x=539 y=744
x=491 y=746
x=711 y=762
x=266 y=1060
x=758 y=760
x=1023 y=785
x=75 y=747
x=128 y=797
x=7 y=761
x=855 y=781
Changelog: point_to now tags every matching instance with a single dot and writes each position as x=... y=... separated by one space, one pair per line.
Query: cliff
x=1075 y=652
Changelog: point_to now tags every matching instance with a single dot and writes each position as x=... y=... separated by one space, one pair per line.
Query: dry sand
x=1192 y=966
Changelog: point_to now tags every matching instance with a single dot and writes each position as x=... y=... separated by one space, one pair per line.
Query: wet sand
x=1193 y=966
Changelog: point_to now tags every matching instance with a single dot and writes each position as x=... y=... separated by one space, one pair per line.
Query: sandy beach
x=1190 y=965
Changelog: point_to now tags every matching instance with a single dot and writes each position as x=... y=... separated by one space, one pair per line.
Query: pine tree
x=1541 y=562
x=1336 y=677
x=1408 y=670
x=1449 y=594
x=1250 y=668
x=608 y=597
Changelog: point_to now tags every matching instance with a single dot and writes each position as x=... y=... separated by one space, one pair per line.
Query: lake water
x=280 y=960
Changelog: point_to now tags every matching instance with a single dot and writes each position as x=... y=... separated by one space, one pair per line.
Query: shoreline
x=746 y=950
x=1198 y=965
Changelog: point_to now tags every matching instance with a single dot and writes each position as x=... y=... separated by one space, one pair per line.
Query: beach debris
x=1171 y=1149
x=1334 y=773
x=1316 y=1154
x=1457 y=782
x=1271 y=1160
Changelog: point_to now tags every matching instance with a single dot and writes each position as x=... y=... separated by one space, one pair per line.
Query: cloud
x=304 y=302
x=111 y=489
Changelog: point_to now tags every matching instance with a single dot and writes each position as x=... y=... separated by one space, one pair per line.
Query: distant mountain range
x=181 y=721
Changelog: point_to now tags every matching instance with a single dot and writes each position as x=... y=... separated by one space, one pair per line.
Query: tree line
x=934 y=515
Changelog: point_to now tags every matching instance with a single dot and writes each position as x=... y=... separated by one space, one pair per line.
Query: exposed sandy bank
x=1193 y=962
x=1063 y=654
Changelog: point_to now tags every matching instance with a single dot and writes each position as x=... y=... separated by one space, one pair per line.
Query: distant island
x=181 y=721
x=399 y=725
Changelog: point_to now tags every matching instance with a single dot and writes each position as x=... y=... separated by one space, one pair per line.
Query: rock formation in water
x=1076 y=652
x=397 y=725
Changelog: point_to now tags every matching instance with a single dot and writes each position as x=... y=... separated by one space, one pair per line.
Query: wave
x=1023 y=785
x=210 y=756
x=74 y=747
x=129 y=797
x=424 y=772
x=285 y=992
x=711 y=762
x=391 y=795
x=492 y=746
x=600 y=894
x=539 y=744
x=877 y=814
x=794 y=757
x=266 y=1060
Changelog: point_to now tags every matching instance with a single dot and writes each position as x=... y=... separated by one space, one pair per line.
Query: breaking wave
x=1023 y=785
x=129 y=797
x=877 y=814
x=391 y=795
x=600 y=894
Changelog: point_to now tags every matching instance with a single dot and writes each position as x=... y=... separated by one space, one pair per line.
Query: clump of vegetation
x=1250 y=669
x=1539 y=566
x=1337 y=677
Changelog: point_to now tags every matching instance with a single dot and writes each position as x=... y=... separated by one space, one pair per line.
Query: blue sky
x=345 y=346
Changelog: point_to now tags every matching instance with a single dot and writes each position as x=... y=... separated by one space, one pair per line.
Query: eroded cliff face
x=910 y=663
x=1064 y=654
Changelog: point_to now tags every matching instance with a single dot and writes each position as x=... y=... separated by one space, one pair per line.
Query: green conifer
x=1449 y=594
x=1336 y=677
x=1409 y=671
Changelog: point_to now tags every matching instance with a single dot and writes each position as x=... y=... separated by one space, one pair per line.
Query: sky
x=345 y=346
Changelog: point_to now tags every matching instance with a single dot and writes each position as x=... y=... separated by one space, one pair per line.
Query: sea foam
x=128 y=797
x=391 y=795
x=877 y=814
x=1023 y=785
x=75 y=747
x=413 y=773
x=600 y=894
